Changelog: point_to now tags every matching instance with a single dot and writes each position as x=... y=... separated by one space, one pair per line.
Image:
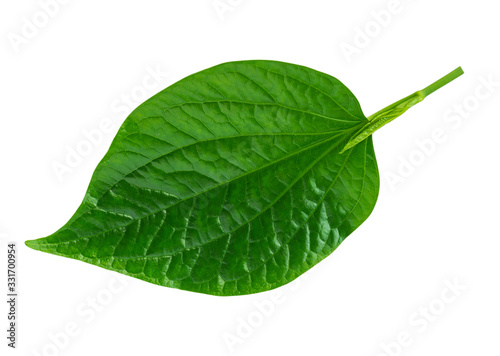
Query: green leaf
x=228 y=182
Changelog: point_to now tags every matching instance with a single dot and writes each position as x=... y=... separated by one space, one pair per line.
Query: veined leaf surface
x=228 y=182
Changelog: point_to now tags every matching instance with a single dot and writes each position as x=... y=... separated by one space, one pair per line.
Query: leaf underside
x=228 y=182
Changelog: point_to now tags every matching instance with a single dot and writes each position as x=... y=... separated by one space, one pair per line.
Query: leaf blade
x=200 y=174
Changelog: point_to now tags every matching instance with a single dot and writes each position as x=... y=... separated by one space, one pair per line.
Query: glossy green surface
x=228 y=182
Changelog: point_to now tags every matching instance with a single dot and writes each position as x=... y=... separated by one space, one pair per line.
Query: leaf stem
x=389 y=113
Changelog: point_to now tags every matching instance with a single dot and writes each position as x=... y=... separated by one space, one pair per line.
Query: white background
x=435 y=223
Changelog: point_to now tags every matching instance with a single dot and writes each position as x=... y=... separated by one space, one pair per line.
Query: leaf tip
x=32 y=244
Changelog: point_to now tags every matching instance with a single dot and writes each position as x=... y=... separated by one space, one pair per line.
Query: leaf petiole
x=389 y=113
